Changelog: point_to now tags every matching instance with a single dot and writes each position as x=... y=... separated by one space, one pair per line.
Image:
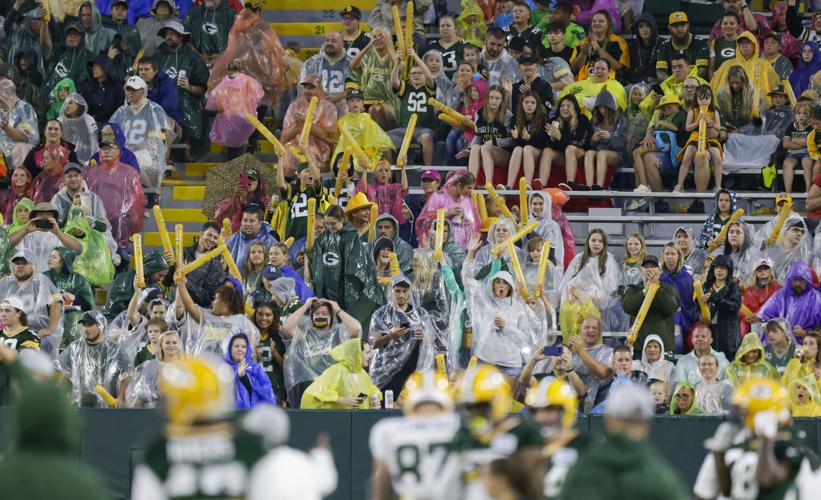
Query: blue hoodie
x=126 y=155
x=164 y=93
x=255 y=378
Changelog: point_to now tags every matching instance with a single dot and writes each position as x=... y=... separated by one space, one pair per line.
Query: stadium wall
x=111 y=442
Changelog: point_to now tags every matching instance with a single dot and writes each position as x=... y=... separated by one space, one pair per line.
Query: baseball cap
x=271 y=272
x=352 y=90
x=72 y=167
x=74 y=25
x=136 y=83
x=351 y=10
x=677 y=18
x=777 y=89
x=684 y=229
x=22 y=254
x=117 y=2
x=630 y=401
x=762 y=263
x=650 y=260
x=14 y=302
x=252 y=173
x=527 y=58
x=783 y=198
x=92 y=317
x=516 y=43
x=772 y=34
x=669 y=99
x=253 y=206
x=431 y=175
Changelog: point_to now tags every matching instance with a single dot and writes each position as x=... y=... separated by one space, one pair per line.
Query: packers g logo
x=210 y=28
x=171 y=72
x=61 y=69
x=728 y=52
x=330 y=259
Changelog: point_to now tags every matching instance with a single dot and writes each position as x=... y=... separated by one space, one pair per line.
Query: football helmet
x=486 y=385
x=758 y=395
x=426 y=387
x=554 y=392
x=196 y=390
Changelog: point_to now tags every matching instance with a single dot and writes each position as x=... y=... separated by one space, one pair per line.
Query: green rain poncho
x=74 y=283
x=694 y=408
x=94 y=263
x=123 y=287
x=16 y=223
x=6 y=249
x=54 y=97
x=344 y=378
x=738 y=372
x=344 y=272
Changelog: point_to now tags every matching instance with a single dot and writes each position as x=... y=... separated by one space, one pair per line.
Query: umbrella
x=221 y=182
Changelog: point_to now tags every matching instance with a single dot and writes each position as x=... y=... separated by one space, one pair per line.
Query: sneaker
x=678 y=189
x=566 y=186
x=697 y=207
x=636 y=204
x=537 y=185
x=501 y=187
x=643 y=189
x=596 y=187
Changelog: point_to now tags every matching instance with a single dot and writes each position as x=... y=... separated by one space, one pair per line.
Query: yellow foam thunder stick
x=499 y=201
x=355 y=147
x=400 y=37
x=544 y=260
x=226 y=228
x=138 y=260
x=311 y=234
x=722 y=235
x=786 y=209
x=402 y=159
x=518 y=275
x=233 y=270
x=179 y=241
x=340 y=176
x=394 y=264
x=439 y=235
x=408 y=34
x=518 y=235
x=479 y=199
x=441 y=366
x=309 y=121
x=457 y=118
x=107 y=397
x=702 y=130
x=164 y=237
x=652 y=288
x=523 y=200
x=203 y=259
x=280 y=149
x=698 y=294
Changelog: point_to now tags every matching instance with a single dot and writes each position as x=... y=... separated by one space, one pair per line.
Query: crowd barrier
x=111 y=442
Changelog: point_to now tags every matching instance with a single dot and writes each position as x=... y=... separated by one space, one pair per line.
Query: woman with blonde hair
x=492 y=142
x=674 y=274
x=635 y=250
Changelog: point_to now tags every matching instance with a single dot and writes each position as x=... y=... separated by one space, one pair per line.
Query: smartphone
x=404 y=324
x=361 y=397
x=553 y=350
x=42 y=223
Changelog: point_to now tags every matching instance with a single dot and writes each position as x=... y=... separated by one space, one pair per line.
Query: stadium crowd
x=326 y=283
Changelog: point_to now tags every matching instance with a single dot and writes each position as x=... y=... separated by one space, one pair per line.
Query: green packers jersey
x=298 y=215
x=415 y=100
x=742 y=461
x=19 y=340
x=214 y=465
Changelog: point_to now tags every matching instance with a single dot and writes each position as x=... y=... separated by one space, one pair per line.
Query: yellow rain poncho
x=797 y=369
x=586 y=91
x=571 y=315
x=471 y=24
x=759 y=71
x=739 y=372
x=368 y=134
x=345 y=378
x=811 y=408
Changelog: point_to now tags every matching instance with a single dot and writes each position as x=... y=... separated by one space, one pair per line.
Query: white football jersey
x=414 y=449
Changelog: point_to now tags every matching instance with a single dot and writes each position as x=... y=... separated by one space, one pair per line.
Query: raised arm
x=184 y=300
x=289 y=327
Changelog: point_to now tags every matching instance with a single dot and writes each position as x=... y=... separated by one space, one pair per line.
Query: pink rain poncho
x=118 y=186
x=318 y=152
x=252 y=40
x=50 y=179
x=232 y=98
x=449 y=197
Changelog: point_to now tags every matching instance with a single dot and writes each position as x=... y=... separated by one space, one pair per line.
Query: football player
x=409 y=452
x=201 y=454
x=757 y=456
x=553 y=404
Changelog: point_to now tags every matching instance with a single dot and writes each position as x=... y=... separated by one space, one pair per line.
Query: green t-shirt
x=722 y=50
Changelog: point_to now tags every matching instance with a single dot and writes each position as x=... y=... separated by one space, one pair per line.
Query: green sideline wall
x=111 y=442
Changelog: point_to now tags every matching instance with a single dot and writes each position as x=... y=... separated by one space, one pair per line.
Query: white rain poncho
x=602 y=289
x=143 y=389
x=144 y=127
x=714 y=399
x=86 y=366
x=20 y=115
x=392 y=358
x=128 y=337
x=39 y=245
x=661 y=369
x=37 y=293
x=743 y=257
x=783 y=258
x=512 y=345
x=552 y=278
x=80 y=131
x=548 y=228
x=310 y=351
x=484 y=256
x=214 y=332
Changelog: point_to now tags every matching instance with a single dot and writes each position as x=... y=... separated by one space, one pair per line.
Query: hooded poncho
x=345 y=378
x=799 y=310
x=739 y=372
x=80 y=131
x=254 y=387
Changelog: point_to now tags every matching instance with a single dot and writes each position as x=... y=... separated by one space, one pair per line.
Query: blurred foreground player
x=756 y=455
x=553 y=404
x=409 y=452
x=201 y=454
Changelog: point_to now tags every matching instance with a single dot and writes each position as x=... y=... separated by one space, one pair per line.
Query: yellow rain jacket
x=739 y=372
x=811 y=409
x=345 y=378
x=370 y=136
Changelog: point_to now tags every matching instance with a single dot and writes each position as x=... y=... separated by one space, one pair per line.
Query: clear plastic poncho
x=485 y=255
x=144 y=127
x=213 y=333
x=601 y=289
x=782 y=257
x=121 y=192
x=87 y=366
x=80 y=131
x=94 y=263
x=253 y=41
x=233 y=98
x=523 y=331
x=37 y=293
x=548 y=228
x=20 y=115
x=714 y=399
x=743 y=257
x=393 y=356
x=310 y=351
x=143 y=389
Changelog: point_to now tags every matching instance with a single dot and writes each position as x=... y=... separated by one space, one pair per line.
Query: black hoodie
x=643 y=56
